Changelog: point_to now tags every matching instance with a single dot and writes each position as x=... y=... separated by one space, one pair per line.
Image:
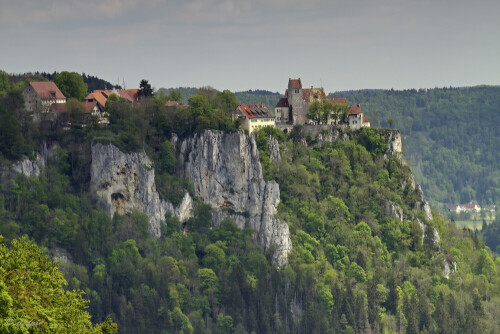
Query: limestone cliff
x=226 y=173
x=126 y=182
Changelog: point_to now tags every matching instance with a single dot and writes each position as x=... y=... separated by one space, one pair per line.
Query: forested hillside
x=365 y=257
x=451 y=137
x=259 y=96
x=250 y=96
x=92 y=82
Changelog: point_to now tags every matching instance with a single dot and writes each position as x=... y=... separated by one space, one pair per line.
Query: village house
x=253 y=116
x=468 y=207
x=89 y=111
x=292 y=109
x=101 y=96
x=173 y=105
x=39 y=96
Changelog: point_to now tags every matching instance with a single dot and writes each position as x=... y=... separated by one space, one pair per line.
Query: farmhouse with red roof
x=101 y=96
x=39 y=96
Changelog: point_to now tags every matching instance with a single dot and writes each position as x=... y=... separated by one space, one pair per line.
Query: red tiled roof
x=98 y=97
x=131 y=95
x=58 y=107
x=257 y=110
x=470 y=206
x=171 y=104
x=365 y=119
x=296 y=83
x=89 y=106
x=101 y=96
x=355 y=109
x=63 y=107
x=338 y=100
x=283 y=102
x=311 y=94
x=47 y=90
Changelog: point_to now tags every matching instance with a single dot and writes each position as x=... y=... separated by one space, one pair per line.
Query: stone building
x=292 y=109
x=39 y=96
x=253 y=116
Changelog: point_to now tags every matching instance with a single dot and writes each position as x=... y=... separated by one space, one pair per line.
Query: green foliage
x=32 y=297
x=259 y=96
x=145 y=89
x=450 y=145
x=71 y=85
x=224 y=324
x=354 y=266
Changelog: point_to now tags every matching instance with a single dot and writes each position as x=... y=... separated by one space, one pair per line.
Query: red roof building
x=39 y=96
x=254 y=116
x=101 y=96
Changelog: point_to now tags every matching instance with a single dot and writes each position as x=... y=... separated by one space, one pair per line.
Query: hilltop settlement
x=300 y=106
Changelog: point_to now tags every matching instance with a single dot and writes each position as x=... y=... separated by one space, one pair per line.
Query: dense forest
x=354 y=268
x=246 y=97
x=92 y=82
x=451 y=137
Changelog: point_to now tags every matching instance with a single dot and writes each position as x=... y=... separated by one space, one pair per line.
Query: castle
x=292 y=109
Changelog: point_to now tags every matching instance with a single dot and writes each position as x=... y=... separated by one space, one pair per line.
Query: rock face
x=126 y=182
x=423 y=205
x=226 y=173
x=29 y=167
x=395 y=143
x=274 y=149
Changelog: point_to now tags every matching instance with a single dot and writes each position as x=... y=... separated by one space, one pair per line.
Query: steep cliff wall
x=126 y=182
x=226 y=172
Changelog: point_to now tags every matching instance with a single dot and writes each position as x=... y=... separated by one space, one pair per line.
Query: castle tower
x=298 y=107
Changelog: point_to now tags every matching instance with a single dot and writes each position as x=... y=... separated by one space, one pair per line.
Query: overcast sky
x=257 y=44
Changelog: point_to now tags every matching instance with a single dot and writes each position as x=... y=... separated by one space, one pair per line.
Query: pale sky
x=257 y=44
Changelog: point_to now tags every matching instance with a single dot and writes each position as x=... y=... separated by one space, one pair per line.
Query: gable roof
x=256 y=110
x=47 y=90
x=283 y=102
x=63 y=107
x=89 y=106
x=98 y=97
x=365 y=119
x=355 y=109
x=101 y=96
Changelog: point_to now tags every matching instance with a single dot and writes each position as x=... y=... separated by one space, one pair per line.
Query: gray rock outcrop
x=29 y=167
x=226 y=173
x=274 y=149
x=125 y=182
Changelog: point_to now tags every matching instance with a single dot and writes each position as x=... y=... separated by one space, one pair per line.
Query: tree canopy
x=71 y=85
x=32 y=297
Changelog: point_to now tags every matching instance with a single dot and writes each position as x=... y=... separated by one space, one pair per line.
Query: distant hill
x=259 y=96
x=451 y=136
x=186 y=92
x=249 y=96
